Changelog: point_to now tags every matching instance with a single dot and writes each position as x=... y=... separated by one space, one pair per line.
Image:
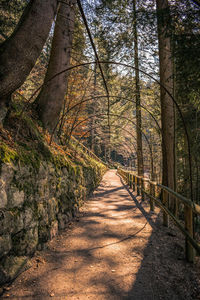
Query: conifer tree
x=51 y=98
x=166 y=79
x=20 y=51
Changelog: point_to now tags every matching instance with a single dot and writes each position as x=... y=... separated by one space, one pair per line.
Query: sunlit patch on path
x=115 y=250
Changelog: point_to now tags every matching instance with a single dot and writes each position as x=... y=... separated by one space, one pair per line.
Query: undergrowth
x=22 y=139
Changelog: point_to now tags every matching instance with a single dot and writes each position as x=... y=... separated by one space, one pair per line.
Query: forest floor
x=115 y=249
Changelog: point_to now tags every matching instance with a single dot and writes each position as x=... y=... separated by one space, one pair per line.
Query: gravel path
x=114 y=250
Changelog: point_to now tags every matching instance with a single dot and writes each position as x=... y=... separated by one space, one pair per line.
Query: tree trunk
x=92 y=111
x=20 y=51
x=166 y=79
x=140 y=165
x=51 y=98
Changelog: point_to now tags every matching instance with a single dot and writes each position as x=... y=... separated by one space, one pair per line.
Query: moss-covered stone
x=41 y=190
x=6 y=222
x=7 y=154
x=16 y=197
x=25 y=242
x=12 y=266
x=43 y=233
x=5 y=244
x=3 y=195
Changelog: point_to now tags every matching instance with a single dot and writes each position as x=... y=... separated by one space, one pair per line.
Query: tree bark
x=50 y=100
x=20 y=51
x=166 y=79
x=92 y=111
x=140 y=164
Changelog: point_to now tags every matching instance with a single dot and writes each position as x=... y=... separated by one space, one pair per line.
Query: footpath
x=115 y=249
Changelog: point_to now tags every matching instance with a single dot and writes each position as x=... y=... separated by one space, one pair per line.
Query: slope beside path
x=114 y=250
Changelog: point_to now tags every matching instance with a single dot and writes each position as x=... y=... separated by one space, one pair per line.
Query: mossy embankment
x=41 y=189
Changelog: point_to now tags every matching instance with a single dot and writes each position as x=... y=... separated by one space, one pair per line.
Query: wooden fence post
x=189 y=251
x=136 y=188
x=152 y=193
x=166 y=204
x=142 y=188
x=133 y=183
x=139 y=185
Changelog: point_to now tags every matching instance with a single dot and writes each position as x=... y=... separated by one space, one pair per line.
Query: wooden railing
x=86 y=150
x=154 y=191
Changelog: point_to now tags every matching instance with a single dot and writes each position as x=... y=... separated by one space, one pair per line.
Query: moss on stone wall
x=7 y=154
x=42 y=188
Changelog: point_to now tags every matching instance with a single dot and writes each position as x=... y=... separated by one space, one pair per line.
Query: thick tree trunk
x=19 y=53
x=166 y=79
x=51 y=98
x=140 y=165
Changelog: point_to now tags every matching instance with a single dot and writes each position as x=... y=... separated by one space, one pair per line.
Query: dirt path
x=114 y=250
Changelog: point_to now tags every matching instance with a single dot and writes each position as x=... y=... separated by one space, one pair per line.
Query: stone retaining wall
x=35 y=203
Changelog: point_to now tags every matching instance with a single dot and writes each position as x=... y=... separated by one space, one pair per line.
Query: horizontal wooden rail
x=177 y=223
x=195 y=207
x=138 y=184
x=88 y=151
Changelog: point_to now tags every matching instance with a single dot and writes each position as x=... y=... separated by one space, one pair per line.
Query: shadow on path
x=163 y=273
x=116 y=250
